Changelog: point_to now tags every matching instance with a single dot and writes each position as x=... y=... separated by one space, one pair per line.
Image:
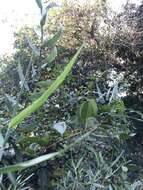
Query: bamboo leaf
x=42 y=99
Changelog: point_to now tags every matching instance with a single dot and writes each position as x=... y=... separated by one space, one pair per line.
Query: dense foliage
x=85 y=134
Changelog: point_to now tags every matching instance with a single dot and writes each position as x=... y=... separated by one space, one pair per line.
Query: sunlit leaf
x=23 y=82
x=53 y=40
x=1 y=145
x=43 y=19
x=60 y=127
x=44 y=13
x=124 y=169
x=39 y=3
x=40 y=101
x=35 y=50
x=51 y=5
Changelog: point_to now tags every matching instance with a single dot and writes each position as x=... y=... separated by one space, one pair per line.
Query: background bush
x=102 y=98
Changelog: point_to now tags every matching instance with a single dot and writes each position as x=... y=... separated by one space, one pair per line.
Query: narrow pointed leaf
x=43 y=19
x=42 y=99
x=53 y=40
x=33 y=162
x=51 y=5
x=22 y=78
x=35 y=50
x=45 y=12
x=51 y=57
x=39 y=3
x=29 y=163
x=1 y=145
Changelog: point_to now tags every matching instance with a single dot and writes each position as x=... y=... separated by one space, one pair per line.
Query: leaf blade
x=39 y=3
x=88 y=109
x=42 y=99
x=51 y=57
x=53 y=40
x=29 y=163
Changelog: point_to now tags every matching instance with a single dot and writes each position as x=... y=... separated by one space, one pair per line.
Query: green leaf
x=1 y=139
x=41 y=140
x=43 y=19
x=35 y=50
x=44 y=13
x=51 y=5
x=32 y=127
x=53 y=40
x=27 y=164
x=88 y=109
x=44 y=84
x=12 y=104
x=42 y=99
x=33 y=162
x=118 y=106
x=35 y=95
x=51 y=57
x=39 y=3
x=1 y=145
x=22 y=78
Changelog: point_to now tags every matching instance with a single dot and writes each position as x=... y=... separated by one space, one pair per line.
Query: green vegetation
x=74 y=125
